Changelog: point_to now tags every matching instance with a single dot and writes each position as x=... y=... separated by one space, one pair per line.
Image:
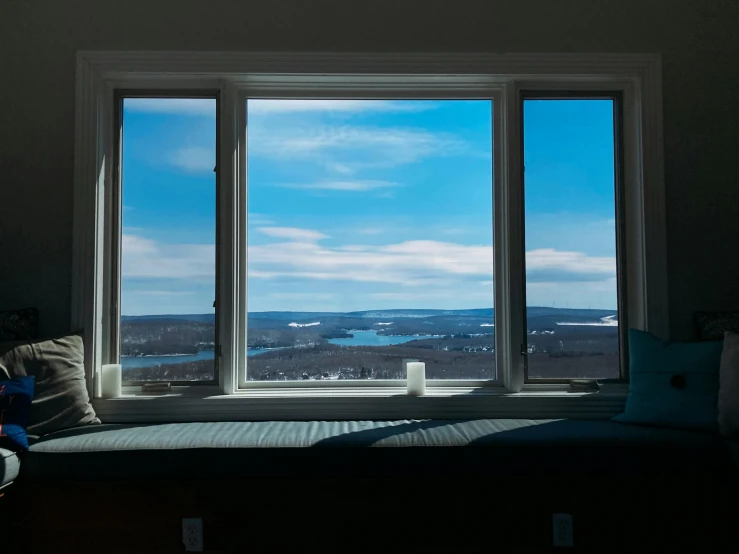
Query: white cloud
x=302 y=295
x=173 y=106
x=269 y=106
x=161 y=292
x=414 y=263
x=194 y=159
x=146 y=258
x=439 y=267
x=548 y=264
x=352 y=147
x=349 y=186
x=340 y=168
x=207 y=106
x=299 y=236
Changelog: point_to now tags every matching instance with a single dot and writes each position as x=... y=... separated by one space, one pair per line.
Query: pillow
x=713 y=325
x=728 y=392
x=15 y=406
x=61 y=399
x=672 y=384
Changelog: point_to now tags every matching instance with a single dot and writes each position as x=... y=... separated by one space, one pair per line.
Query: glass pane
x=571 y=287
x=167 y=330
x=370 y=239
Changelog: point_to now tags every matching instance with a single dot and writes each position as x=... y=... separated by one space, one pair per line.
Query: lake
x=360 y=338
x=371 y=338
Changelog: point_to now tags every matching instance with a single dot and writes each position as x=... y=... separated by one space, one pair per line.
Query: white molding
x=358 y=404
x=653 y=194
x=341 y=75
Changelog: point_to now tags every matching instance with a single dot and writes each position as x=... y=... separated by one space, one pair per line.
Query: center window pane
x=370 y=239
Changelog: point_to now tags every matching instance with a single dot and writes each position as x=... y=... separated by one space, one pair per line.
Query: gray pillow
x=728 y=393
x=61 y=399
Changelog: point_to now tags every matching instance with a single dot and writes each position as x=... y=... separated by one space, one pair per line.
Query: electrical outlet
x=192 y=534
x=562 y=529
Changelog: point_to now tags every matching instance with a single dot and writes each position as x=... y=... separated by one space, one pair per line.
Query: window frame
x=543 y=91
x=116 y=223
x=100 y=74
x=482 y=92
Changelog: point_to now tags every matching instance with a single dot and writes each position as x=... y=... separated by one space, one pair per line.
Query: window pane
x=370 y=239
x=571 y=287
x=167 y=330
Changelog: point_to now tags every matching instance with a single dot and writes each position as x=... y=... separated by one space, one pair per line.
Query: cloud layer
x=298 y=255
x=206 y=107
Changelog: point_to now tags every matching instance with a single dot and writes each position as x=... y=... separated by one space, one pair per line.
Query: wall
x=39 y=38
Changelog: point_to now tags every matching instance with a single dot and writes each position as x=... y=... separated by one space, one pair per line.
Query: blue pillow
x=672 y=384
x=15 y=408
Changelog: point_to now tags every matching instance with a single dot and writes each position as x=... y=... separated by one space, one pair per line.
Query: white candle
x=111 y=375
x=416 y=375
x=406 y=361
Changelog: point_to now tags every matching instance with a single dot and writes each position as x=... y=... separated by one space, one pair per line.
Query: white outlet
x=192 y=534
x=562 y=528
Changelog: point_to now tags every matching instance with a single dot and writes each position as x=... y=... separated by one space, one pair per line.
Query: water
x=360 y=338
x=371 y=338
x=130 y=362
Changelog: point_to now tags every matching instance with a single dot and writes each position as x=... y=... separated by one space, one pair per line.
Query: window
x=307 y=223
x=572 y=301
x=167 y=239
x=370 y=239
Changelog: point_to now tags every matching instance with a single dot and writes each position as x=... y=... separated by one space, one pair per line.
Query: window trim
x=99 y=74
x=116 y=215
x=615 y=92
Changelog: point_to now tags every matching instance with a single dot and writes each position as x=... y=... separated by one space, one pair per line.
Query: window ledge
x=534 y=402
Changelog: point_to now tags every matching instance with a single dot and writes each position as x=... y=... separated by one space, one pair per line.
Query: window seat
x=352 y=448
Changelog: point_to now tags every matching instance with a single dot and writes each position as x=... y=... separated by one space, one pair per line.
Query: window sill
x=534 y=402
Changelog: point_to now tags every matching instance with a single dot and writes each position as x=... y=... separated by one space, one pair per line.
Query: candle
x=416 y=374
x=111 y=380
x=406 y=361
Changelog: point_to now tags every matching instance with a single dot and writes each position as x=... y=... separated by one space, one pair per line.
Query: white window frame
x=236 y=76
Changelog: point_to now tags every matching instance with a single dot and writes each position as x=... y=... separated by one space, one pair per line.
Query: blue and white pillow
x=16 y=396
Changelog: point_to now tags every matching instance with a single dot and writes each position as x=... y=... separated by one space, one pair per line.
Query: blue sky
x=357 y=204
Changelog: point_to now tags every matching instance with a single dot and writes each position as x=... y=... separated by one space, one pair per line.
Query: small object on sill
x=156 y=388
x=111 y=376
x=416 y=377
x=584 y=385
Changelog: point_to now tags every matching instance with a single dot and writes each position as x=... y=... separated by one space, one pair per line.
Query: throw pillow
x=728 y=392
x=713 y=325
x=15 y=406
x=672 y=384
x=61 y=399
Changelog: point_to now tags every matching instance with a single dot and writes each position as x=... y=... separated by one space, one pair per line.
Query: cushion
x=9 y=467
x=345 y=449
x=61 y=398
x=15 y=407
x=713 y=325
x=19 y=324
x=728 y=394
x=672 y=384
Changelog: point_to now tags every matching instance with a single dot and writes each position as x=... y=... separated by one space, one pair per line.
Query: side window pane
x=370 y=239
x=167 y=328
x=571 y=278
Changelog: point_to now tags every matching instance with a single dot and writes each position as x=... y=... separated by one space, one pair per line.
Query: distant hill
x=542 y=315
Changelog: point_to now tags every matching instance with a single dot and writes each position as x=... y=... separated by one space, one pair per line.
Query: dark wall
x=697 y=38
